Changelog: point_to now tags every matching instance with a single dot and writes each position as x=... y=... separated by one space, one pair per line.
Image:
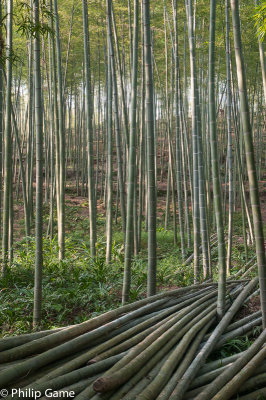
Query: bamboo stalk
x=234 y=384
x=155 y=387
x=167 y=390
x=201 y=357
x=222 y=380
x=138 y=356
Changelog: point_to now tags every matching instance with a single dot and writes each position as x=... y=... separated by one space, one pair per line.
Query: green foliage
x=235 y=345
x=81 y=287
x=231 y=347
x=24 y=28
x=15 y=58
x=260 y=20
x=74 y=290
x=25 y=24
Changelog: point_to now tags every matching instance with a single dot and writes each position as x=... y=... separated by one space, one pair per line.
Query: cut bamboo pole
x=240 y=363
x=195 y=366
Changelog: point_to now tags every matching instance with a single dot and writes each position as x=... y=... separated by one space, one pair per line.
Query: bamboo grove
x=124 y=100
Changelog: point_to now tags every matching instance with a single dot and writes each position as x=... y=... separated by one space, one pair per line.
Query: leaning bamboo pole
x=251 y=165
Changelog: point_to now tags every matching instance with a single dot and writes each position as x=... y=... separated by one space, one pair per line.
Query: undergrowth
x=80 y=287
x=77 y=288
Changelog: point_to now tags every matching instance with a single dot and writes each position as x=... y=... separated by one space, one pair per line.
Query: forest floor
x=79 y=288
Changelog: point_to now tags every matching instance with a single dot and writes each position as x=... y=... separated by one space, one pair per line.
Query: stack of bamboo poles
x=155 y=348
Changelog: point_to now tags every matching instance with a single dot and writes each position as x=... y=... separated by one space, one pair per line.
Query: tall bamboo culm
x=132 y=159
x=7 y=137
x=39 y=172
x=149 y=122
x=89 y=111
x=109 y=181
x=250 y=159
x=215 y=167
x=61 y=147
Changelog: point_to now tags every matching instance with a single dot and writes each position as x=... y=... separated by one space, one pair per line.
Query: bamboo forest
x=132 y=199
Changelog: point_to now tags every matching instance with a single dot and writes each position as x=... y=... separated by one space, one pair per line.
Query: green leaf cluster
x=260 y=20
